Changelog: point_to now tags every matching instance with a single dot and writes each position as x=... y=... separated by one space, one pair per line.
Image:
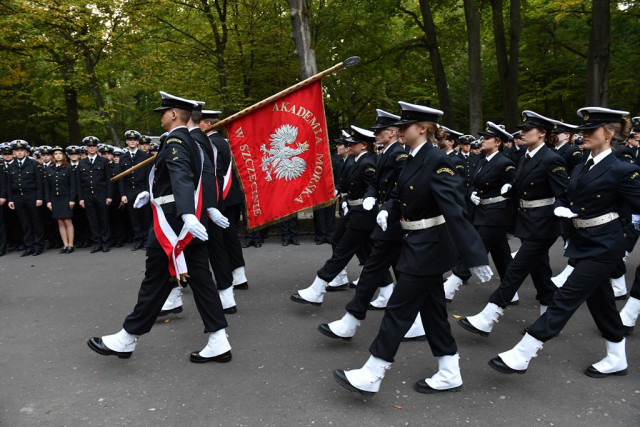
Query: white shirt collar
x=535 y=150
x=176 y=128
x=449 y=152
x=388 y=146
x=90 y=157
x=414 y=152
x=74 y=164
x=133 y=153
x=561 y=145
x=600 y=156
x=492 y=156
x=360 y=155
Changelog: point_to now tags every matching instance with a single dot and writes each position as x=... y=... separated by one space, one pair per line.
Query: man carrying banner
x=175 y=194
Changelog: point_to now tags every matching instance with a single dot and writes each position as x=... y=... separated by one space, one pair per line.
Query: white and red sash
x=174 y=245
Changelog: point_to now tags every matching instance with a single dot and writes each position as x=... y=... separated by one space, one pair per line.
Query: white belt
x=422 y=224
x=356 y=202
x=537 y=203
x=163 y=200
x=592 y=222
x=492 y=200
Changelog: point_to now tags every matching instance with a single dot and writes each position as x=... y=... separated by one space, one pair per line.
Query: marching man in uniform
x=176 y=242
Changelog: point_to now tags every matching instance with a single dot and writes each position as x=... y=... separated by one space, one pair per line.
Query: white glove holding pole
x=635 y=220
x=368 y=203
x=563 y=212
x=505 y=188
x=474 y=198
x=195 y=227
x=381 y=219
x=482 y=272
x=345 y=208
x=217 y=218
x=141 y=200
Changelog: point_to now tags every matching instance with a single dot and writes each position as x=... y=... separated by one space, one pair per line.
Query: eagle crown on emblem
x=279 y=158
x=585 y=116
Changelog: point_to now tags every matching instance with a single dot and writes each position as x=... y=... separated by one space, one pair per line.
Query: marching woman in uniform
x=60 y=194
x=360 y=222
x=493 y=213
x=541 y=178
x=596 y=241
x=429 y=200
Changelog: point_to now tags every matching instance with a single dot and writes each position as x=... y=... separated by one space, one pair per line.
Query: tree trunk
x=472 y=17
x=302 y=36
x=598 y=60
x=71 y=103
x=97 y=96
x=436 y=62
x=507 y=66
x=220 y=36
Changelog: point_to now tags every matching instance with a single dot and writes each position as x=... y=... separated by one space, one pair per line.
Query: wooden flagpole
x=346 y=63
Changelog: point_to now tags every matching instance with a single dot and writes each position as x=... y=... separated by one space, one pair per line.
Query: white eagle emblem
x=279 y=157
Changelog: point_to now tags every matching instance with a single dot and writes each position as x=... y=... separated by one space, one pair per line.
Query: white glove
x=505 y=188
x=474 y=198
x=195 y=227
x=368 y=203
x=141 y=200
x=345 y=208
x=217 y=218
x=635 y=220
x=335 y=193
x=563 y=212
x=482 y=272
x=381 y=219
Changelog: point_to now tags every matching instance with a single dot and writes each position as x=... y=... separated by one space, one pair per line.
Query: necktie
x=586 y=168
x=483 y=162
x=91 y=160
x=20 y=163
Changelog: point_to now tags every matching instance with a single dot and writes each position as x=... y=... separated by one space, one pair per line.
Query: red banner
x=282 y=154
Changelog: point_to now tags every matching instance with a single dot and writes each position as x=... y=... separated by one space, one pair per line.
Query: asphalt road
x=281 y=372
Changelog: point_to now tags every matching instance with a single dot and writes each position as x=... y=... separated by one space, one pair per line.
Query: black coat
x=224 y=162
x=487 y=182
x=60 y=183
x=572 y=156
x=209 y=180
x=542 y=177
x=470 y=163
x=138 y=180
x=359 y=177
x=429 y=186
x=94 y=180
x=25 y=181
x=606 y=187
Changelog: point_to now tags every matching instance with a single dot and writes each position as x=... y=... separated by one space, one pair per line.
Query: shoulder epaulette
x=170 y=140
x=401 y=156
x=576 y=152
x=508 y=168
x=445 y=170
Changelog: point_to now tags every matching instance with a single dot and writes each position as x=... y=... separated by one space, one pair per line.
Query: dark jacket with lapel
x=25 y=181
x=571 y=155
x=137 y=181
x=361 y=175
x=94 y=179
x=224 y=160
x=487 y=182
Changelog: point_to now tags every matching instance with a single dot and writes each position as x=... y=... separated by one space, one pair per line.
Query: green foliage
x=233 y=53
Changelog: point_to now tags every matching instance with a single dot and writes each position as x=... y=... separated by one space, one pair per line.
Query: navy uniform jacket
x=606 y=187
x=461 y=168
x=94 y=180
x=388 y=168
x=25 y=181
x=542 y=177
x=360 y=176
x=429 y=186
x=137 y=181
x=470 y=163
x=4 y=179
x=224 y=159
x=572 y=156
x=177 y=171
x=59 y=183
x=341 y=184
x=487 y=182
x=209 y=179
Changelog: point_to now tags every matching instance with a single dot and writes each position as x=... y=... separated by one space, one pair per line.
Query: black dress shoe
x=230 y=310
x=594 y=373
x=168 y=312
x=246 y=244
x=96 y=249
x=497 y=364
x=297 y=298
x=418 y=338
x=70 y=249
x=63 y=250
x=294 y=242
x=337 y=288
x=326 y=330
x=98 y=346
x=27 y=252
x=136 y=246
x=340 y=376
x=21 y=248
x=3 y=253
x=285 y=243
x=38 y=252
x=57 y=245
x=319 y=242
x=51 y=245
x=469 y=327
x=258 y=244
x=422 y=387
x=222 y=358
x=242 y=286
x=106 y=249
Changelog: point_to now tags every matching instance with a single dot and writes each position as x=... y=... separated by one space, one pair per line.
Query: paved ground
x=281 y=373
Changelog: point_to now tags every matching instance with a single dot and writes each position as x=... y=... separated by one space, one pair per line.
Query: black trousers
x=384 y=254
x=588 y=282
x=98 y=218
x=31 y=221
x=218 y=256
x=156 y=286
x=532 y=259
x=413 y=295
x=635 y=289
x=231 y=239
x=351 y=242
x=324 y=223
x=81 y=225
x=341 y=228
x=3 y=232
x=289 y=229
x=116 y=222
x=497 y=244
x=140 y=218
x=15 y=236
